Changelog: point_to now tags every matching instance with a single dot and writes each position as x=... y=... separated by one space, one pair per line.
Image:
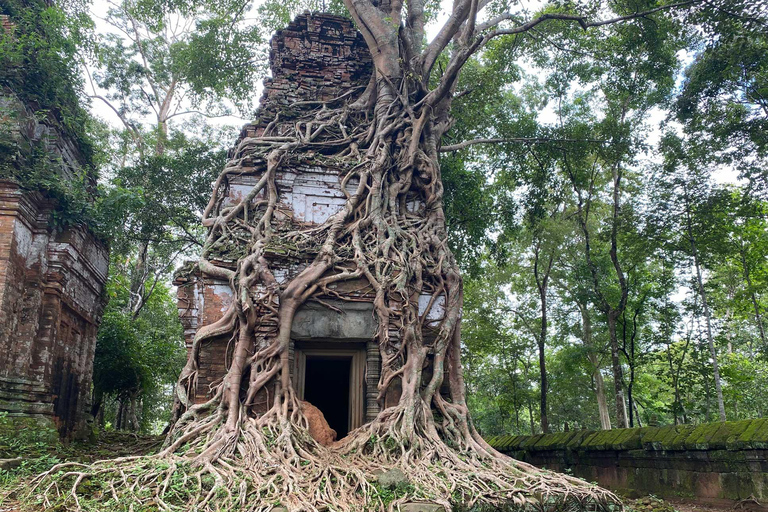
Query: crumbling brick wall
x=51 y=284
x=317 y=58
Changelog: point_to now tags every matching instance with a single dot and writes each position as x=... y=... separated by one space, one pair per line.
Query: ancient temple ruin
x=336 y=360
x=51 y=280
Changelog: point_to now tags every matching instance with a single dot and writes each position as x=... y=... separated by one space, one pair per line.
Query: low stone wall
x=712 y=461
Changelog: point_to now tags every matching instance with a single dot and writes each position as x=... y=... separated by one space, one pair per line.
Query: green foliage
x=164 y=68
x=576 y=118
x=722 y=105
x=388 y=494
x=31 y=439
x=170 y=57
x=139 y=356
x=159 y=199
x=40 y=58
x=41 y=83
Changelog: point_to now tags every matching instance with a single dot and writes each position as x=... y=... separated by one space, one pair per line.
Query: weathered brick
x=51 y=284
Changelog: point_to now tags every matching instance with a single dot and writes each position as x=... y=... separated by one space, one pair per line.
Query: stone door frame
x=354 y=352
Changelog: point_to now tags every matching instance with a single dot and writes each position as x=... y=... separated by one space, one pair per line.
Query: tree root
x=265 y=465
x=222 y=455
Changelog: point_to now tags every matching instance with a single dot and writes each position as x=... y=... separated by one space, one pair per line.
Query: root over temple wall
x=332 y=197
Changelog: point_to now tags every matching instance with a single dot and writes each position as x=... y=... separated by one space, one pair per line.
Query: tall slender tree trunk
x=97 y=403
x=631 y=360
x=138 y=280
x=611 y=312
x=543 y=370
x=133 y=419
x=602 y=402
x=618 y=373
x=710 y=338
x=542 y=283
x=705 y=307
x=530 y=418
x=674 y=374
x=753 y=297
x=119 y=419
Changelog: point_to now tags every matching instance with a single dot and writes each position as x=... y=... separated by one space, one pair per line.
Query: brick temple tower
x=316 y=59
x=51 y=278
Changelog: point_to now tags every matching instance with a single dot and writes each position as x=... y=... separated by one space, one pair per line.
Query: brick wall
x=718 y=461
x=51 y=301
x=318 y=57
x=51 y=282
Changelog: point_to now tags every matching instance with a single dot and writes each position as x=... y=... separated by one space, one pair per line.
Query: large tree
x=219 y=454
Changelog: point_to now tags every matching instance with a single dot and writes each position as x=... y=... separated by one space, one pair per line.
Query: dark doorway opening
x=326 y=386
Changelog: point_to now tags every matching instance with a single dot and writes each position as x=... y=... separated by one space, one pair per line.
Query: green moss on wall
x=732 y=435
x=710 y=460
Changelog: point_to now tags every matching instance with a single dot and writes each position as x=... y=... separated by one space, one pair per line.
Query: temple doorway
x=332 y=379
x=326 y=386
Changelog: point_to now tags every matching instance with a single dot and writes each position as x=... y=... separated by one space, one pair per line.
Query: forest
x=605 y=190
x=605 y=197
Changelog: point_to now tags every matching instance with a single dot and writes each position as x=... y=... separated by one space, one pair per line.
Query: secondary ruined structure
x=717 y=462
x=317 y=58
x=51 y=279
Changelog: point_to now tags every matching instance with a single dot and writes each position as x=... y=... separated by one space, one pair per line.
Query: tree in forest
x=573 y=281
x=387 y=137
x=603 y=175
x=161 y=66
x=686 y=201
x=163 y=69
x=136 y=357
x=743 y=253
x=499 y=362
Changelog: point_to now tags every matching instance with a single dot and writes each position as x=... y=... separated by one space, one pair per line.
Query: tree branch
x=581 y=20
x=521 y=140
x=204 y=114
x=459 y=15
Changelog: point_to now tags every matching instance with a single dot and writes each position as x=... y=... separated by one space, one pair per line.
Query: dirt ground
x=654 y=504
x=38 y=457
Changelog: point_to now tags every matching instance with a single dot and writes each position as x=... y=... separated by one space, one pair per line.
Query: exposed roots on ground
x=279 y=465
x=390 y=239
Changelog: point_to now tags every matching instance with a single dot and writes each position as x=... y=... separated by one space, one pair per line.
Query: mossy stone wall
x=712 y=461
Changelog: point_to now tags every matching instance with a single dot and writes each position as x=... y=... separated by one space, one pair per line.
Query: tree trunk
x=120 y=418
x=602 y=403
x=138 y=280
x=631 y=360
x=530 y=418
x=97 y=403
x=612 y=313
x=705 y=307
x=618 y=374
x=710 y=341
x=542 y=283
x=753 y=298
x=133 y=420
